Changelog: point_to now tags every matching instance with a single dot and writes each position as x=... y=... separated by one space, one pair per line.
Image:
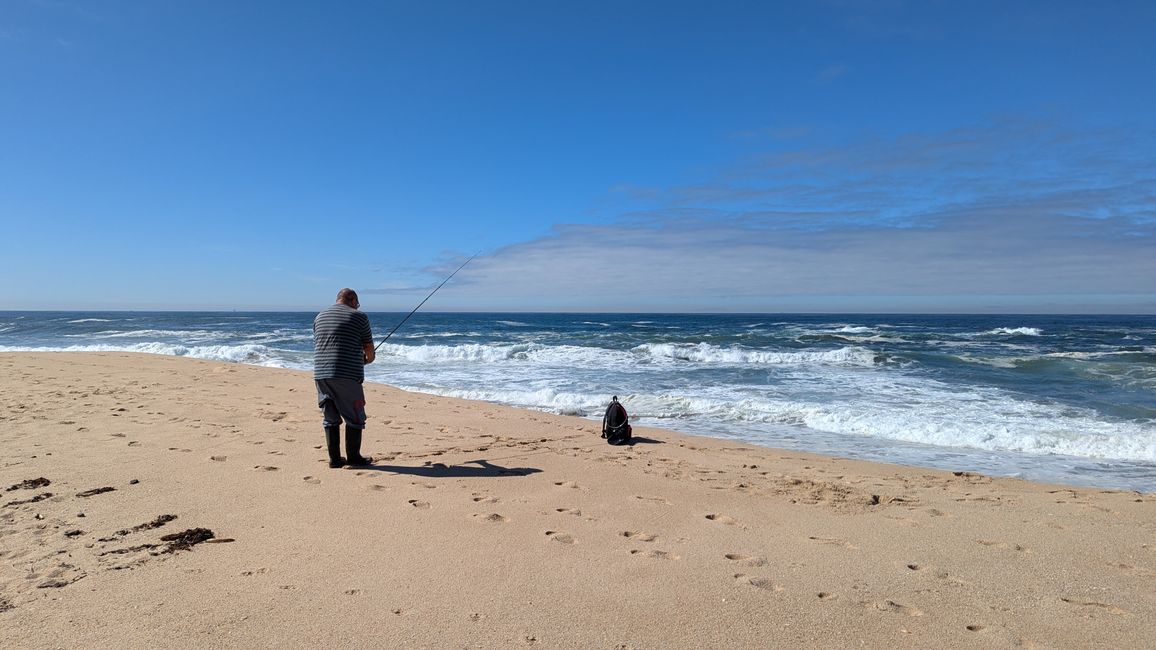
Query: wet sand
x=161 y=501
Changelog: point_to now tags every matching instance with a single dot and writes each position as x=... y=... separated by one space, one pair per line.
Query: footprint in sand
x=655 y=555
x=266 y=468
x=831 y=541
x=746 y=560
x=219 y=459
x=567 y=484
x=723 y=519
x=1088 y=603
x=560 y=537
x=569 y=511
x=992 y=543
x=640 y=537
x=643 y=497
x=894 y=607
x=759 y=583
x=420 y=505
x=485 y=499
x=312 y=480
x=378 y=487
x=494 y=518
x=825 y=595
x=63 y=575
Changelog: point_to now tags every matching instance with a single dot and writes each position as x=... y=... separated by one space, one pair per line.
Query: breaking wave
x=705 y=353
x=249 y=353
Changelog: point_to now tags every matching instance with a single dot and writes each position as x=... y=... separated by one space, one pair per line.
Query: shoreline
x=1038 y=399
x=487 y=525
x=963 y=452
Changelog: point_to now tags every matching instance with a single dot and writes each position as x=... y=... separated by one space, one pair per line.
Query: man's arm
x=367 y=346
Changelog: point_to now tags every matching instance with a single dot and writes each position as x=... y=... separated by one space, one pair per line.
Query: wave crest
x=706 y=353
x=1014 y=331
x=247 y=353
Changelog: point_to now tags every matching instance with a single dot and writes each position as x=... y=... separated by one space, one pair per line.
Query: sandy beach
x=486 y=526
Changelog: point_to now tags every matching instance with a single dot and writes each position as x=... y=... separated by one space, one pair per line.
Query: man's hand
x=370 y=353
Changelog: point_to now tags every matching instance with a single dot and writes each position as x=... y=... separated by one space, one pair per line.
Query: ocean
x=1062 y=399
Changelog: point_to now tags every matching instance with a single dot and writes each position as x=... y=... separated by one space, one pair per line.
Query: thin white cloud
x=993 y=218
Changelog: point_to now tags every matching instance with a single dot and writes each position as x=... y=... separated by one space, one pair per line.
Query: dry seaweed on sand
x=186 y=539
x=30 y=484
x=38 y=497
x=161 y=520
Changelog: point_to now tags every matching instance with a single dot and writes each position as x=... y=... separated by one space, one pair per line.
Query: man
x=342 y=345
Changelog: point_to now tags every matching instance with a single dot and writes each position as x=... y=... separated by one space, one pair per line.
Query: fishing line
x=423 y=302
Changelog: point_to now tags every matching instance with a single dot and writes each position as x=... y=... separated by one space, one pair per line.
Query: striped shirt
x=339 y=334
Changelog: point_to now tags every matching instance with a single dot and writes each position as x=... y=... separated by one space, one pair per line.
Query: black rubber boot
x=353 y=447
x=333 y=442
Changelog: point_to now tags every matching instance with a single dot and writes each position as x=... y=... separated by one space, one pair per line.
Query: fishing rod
x=423 y=302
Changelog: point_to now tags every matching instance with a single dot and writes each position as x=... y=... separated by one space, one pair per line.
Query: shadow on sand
x=465 y=470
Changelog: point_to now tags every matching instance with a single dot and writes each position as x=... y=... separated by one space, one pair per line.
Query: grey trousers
x=341 y=399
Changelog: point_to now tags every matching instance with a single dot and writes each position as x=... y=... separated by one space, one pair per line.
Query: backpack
x=615 y=424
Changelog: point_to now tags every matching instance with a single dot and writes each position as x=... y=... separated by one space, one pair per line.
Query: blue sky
x=835 y=155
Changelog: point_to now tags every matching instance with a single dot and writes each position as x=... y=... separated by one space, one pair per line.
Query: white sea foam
x=1015 y=362
x=992 y=420
x=281 y=335
x=612 y=360
x=247 y=353
x=545 y=399
x=431 y=335
x=705 y=353
x=467 y=353
x=854 y=329
x=1013 y=331
x=936 y=415
x=91 y=320
x=909 y=411
x=526 y=353
x=151 y=333
x=999 y=424
x=1105 y=354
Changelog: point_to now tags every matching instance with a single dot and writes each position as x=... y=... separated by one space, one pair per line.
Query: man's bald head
x=348 y=297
